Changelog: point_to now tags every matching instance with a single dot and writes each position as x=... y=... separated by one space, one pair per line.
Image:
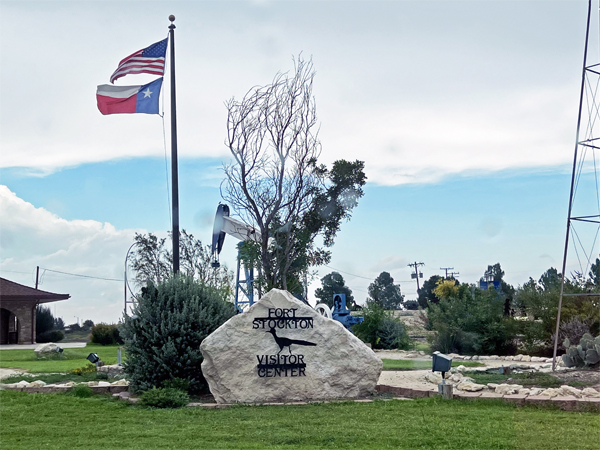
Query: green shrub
x=411 y=305
x=472 y=321
x=106 y=334
x=81 y=391
x=50 y=336
x=164 y=398
x=163 y=337
x=381 y=329
x=178 y=383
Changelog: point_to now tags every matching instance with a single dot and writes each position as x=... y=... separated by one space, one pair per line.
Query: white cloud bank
x=31 y=237
x=417 y=91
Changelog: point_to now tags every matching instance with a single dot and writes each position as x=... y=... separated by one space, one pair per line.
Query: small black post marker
x=175 y=178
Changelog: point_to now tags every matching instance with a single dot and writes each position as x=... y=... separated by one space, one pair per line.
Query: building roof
x=9 y=290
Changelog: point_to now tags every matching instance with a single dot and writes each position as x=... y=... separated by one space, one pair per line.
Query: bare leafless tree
x=272 y=134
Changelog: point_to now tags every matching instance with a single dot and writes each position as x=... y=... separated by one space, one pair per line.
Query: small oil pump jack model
x=227 y=225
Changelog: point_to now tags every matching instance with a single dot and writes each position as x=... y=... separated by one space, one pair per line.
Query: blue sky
x=463 y=111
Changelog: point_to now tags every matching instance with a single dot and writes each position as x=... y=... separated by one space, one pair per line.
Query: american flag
x=148 y=60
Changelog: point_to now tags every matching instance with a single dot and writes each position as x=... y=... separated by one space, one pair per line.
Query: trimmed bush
x=106 y=334
x=164 y=398
x=381 y=329
x=50 y=336
x=163 y=337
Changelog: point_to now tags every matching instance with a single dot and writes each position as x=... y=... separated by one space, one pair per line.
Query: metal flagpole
x=175 y=178
x=564 y=265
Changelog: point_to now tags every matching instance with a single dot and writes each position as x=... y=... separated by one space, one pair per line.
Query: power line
x=82 y=276
x=347 y=273
x=359 y=276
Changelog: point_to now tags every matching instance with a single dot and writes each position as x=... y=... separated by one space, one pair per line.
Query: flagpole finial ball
x=172 y=18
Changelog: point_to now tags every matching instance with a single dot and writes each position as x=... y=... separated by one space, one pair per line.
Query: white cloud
x=416 y=144
x=416 y=93
x=33 y=237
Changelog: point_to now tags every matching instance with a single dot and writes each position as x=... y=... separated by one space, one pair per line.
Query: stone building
x=18 y=305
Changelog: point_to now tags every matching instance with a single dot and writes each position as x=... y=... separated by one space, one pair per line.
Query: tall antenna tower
x=583 y=219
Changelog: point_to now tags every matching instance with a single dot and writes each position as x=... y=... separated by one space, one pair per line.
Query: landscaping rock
x=91 y=383
x=112 y=370
x=466 y=358
x=455 y=378
x=550 y=392
x=121 y=382
x=470 y=386
x=280 y=349
x=433 y=377
x=590 y=392
x=508 y=389
x=492 y=385
x=524 y=391
x=37 y=383
x=565 y=390
x=42 y=349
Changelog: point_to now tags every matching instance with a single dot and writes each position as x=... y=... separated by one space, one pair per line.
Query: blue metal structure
x=342 y=314
x=248 y=291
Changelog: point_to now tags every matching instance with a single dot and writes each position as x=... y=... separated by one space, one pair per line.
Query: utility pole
x=452 y=274
x=446 y=269
x=37 y=276
x=417 y=274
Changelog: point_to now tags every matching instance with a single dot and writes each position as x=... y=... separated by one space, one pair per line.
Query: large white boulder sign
x=281 y=350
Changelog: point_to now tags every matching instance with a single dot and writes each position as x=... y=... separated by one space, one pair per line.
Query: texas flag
x=129 y=99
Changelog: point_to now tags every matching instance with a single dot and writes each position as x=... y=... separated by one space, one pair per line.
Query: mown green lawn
x=72 y=358
x=543 y=380
x=58 y=421
x=410 y=364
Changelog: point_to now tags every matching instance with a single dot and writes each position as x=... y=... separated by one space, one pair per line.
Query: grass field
x=409 y=364
x=543 y=380
x=63 y=421
x=72 y=358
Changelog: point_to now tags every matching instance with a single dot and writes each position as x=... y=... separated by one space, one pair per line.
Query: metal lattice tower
x=583 y=219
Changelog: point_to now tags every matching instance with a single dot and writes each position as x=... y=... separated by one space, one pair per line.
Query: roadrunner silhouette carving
x=286 y=342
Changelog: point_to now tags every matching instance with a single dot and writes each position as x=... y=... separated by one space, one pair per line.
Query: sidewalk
x=34 y=346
